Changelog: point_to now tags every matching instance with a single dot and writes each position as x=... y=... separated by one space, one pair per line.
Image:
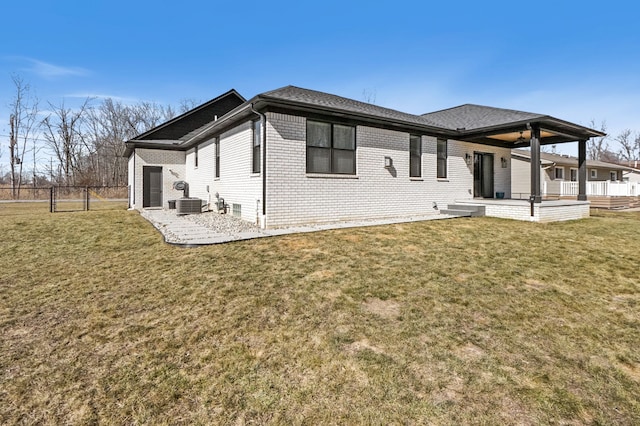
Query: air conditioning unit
x=188 y=206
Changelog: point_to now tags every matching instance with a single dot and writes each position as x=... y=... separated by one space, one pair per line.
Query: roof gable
x=181 y=125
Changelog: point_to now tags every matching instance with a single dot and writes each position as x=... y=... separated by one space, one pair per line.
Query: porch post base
x=582 y=197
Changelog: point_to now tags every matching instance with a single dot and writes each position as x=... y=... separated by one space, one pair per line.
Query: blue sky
x=574 y=61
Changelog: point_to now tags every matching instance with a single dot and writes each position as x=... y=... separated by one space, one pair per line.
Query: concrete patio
x=180 y=231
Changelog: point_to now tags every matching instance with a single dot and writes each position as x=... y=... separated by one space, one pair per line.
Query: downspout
x=263 y=166
x=134 y=178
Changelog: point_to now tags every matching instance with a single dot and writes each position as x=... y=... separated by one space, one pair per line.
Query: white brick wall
x=130 y=180
x=294 y=197
x=173 y=168
x=556 y=214
x=202 y=176
x=237 y=183
x=541 y=213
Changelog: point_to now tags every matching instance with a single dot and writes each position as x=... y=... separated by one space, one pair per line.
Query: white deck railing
x=602 y=189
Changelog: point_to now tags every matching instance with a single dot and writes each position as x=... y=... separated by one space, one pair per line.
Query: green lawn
x=481 y=321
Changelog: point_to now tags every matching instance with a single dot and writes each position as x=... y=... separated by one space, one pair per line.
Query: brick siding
x=295 y=197
x=173 y=168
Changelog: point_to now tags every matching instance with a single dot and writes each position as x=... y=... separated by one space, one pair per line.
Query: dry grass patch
x=384 y=308
x=446 y=322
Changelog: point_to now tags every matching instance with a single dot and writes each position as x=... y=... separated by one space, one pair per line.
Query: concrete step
x=474 y=211
x=456 y=212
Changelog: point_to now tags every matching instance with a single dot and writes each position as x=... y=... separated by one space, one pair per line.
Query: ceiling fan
x=521 y=139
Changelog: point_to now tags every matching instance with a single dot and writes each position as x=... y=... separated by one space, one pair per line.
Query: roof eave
x=586 y=130
x=262 y=101
x=130 y=145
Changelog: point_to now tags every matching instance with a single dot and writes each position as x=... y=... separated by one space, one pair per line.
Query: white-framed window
x=613 y=175
x=593 y=173
x=441 y=158
x=559 y=173
x=574 y=175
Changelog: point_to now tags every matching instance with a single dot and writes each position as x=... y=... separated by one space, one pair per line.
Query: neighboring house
x=608 y=184
x=296 y=156
x=633 y=173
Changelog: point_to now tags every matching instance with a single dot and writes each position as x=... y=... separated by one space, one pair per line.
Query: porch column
x=535 y=163
x=582 y=170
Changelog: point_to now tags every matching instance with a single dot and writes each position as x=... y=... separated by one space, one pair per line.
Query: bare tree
x=598 y=147
x=87 y=142
x=23 y=124
x=629 y=146
x=609 y=156
x=369 y=96
x=64 y=135
x=109 y=125
x=34 y=156
x=147 y=115
x=187 y=105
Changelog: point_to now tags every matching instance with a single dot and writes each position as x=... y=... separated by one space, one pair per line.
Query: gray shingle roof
x=338 y=103
x=473 y=117
x=200 y=122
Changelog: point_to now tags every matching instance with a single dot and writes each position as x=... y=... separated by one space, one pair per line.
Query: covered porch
x=518 y=129
x=544 y=130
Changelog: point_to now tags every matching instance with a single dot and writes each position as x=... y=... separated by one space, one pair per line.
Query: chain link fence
x=80 y=198
x=70 y=198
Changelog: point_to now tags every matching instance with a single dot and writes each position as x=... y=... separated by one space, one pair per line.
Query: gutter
x=132 y=200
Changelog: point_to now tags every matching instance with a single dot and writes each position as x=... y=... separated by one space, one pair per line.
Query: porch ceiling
x=518 y=135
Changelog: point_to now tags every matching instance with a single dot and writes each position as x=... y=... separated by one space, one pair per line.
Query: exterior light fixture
x=467 y=158
x=388 y=162
x=503 y=162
